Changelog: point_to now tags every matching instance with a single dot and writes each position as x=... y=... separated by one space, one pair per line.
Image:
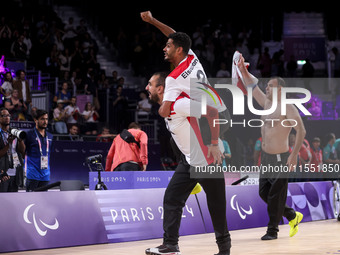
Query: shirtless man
x=275 y=152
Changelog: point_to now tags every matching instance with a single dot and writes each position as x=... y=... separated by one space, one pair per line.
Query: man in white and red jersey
x=188 y=78
x=183 y=125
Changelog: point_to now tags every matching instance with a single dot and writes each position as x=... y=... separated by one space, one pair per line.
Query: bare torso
x=274 y=134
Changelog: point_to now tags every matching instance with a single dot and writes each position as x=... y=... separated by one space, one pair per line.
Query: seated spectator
x=90 y=116
x=143 y=106
x=72 y=111
x=59 y=118
x=63 y=94
x=105 y=136
x=16 y=107
x=74 y=133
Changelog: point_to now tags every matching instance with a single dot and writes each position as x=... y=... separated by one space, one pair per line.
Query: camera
x=94 y=159
x=18 y=133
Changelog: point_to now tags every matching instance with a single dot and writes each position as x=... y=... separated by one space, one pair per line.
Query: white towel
x=236 y=76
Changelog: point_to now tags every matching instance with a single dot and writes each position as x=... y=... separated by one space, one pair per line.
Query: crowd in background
x=67 y=51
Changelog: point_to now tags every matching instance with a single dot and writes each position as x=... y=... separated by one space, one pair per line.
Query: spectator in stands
x=278 y=64
x=72 y=111
x=5 y=40
x=329 y=153
x=64 y=94
x=257 y=151
x=103 y=81
x=70 y=32
x=91 y=87
x=59 y=118
x=337 y=147
x=305 y=155
x=121 y=82
x=42 y=47
x=90 y=60
x=28 y=42
x=114 y=80
x=7 y=87
x=129 y=156
x=223 y=72
x=105 y=135
x=143 y=106
x=91 y=117
x=120 y=105
x=307 y=73
x=12 y=150
x=21 y=84
x=314 y=109
x=291 y=67
x=316 y=151
x=78 y=58
x=19 y=48
x=336 y=72
x=52 y=62
x=264 y=63
x=74 y=133
x=16 y=107
x=227 y=152
x=64 y=61
x=81 y=28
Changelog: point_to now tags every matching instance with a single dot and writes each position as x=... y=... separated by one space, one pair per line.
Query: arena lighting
x=301 y=62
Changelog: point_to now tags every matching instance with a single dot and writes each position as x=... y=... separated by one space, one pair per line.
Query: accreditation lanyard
x=43 y=159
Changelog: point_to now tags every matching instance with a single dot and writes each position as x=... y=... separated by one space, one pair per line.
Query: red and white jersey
x=189 y=77
x=184 y=128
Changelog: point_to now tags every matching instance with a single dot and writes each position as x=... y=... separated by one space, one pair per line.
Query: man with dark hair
x=38 y=150
x=12 y=150
x=192 y=153
x=188 y=81
x=180 y=39
x=21 y=84
x=188 y=76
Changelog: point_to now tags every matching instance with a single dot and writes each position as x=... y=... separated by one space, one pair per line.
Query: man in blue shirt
x=38 y=150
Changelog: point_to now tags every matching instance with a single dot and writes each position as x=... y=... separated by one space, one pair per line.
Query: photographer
x=129 y=156
x=38 y=150
x=11 y=159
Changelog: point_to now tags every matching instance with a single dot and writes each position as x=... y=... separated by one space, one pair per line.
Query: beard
x=154 y=98
x=42 y=126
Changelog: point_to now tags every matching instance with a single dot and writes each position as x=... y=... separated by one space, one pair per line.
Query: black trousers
x=273 y=191
x=9 y=185
x=128 y=166
x=176 y=195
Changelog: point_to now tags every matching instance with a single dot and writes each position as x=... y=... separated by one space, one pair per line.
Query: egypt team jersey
x=189 y=77
x=184 y=128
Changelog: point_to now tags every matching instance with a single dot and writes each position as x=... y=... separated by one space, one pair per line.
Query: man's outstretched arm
x=165 y=29
x=259 y=96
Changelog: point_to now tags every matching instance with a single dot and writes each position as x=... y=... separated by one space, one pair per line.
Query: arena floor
x=318 y=237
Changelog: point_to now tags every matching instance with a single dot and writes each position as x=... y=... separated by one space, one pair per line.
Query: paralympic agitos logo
x=238 y=105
